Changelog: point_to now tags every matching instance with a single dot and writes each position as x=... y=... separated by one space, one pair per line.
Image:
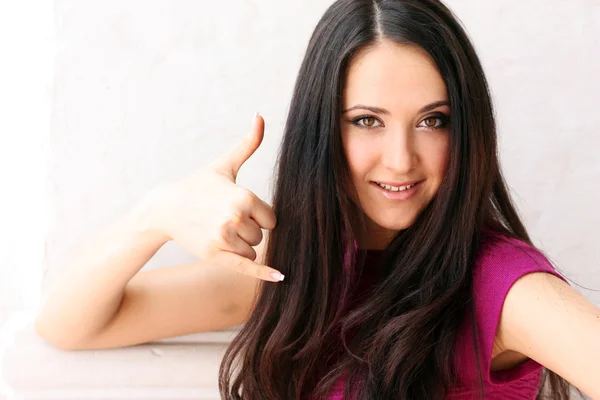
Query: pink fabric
x=501 y=262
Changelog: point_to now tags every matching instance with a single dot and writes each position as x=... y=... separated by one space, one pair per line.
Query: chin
x=397 y=227
x=393 y=223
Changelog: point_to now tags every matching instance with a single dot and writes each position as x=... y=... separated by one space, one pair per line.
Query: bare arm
x=84 y=296
x=102 y=300
x=178 y=300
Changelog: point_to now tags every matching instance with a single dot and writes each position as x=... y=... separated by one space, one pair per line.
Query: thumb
x=231 y=163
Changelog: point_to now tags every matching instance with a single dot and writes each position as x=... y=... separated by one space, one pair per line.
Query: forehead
x=393 y=76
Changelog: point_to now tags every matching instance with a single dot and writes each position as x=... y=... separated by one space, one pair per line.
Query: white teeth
x=395 y=188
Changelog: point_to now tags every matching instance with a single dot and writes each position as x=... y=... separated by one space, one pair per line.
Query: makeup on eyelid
x=445 y=119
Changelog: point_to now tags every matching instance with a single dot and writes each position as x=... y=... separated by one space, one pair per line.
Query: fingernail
x=277 y=275
x=254 y=118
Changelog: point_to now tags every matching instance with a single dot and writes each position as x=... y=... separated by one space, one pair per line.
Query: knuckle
x=246 y=196
x=224 y=231
x=259 y=237
x=225 y=234
x=272 y=218
x=235 y=220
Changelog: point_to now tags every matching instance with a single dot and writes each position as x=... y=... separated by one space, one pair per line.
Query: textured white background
x=144 y=92
x=102 y=100
x=148 y=91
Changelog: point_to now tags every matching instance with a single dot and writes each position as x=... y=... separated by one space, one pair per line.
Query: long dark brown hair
x=406 y=328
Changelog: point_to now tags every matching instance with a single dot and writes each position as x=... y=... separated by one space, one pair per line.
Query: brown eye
x=432 y=120
x=369 y=121
x=366 y=122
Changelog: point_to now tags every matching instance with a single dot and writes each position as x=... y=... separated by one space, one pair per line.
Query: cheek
x=445 y=158
x=360 y=156
x=439 y=156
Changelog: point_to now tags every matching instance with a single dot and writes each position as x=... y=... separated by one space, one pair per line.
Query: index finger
x=246 y=266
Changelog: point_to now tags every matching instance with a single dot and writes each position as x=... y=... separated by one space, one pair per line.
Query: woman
x=391 y=222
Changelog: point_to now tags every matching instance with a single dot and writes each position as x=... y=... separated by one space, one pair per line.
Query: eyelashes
x=443 y=122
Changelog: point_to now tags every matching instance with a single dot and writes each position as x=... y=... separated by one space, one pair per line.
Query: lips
x=397 y=195
x=398 y=184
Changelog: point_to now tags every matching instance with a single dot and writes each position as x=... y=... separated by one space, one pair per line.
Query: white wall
x=148 y=91
x=542 y=59
x=143 y=92
x=26 y=73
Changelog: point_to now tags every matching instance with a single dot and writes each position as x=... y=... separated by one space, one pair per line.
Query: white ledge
x=178 y=368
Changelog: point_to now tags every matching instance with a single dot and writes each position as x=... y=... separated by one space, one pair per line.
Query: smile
x=397 y=192
x=395 y=188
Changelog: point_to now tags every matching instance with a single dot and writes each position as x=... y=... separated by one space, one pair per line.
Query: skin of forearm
x=82 y=298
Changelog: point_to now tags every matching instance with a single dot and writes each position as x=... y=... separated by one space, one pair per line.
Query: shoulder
x=500 y=262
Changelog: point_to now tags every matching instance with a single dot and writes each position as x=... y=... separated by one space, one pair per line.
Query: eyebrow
x=383 y=111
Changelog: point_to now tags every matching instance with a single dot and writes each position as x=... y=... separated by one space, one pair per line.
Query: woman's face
x=395 y=131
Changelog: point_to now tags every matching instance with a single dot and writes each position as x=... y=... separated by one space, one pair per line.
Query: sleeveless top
x=500 y=262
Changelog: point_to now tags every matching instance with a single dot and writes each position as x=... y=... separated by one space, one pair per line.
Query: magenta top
x=500 y=262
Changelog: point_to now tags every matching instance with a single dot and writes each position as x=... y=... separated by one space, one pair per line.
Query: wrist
x=144 y=221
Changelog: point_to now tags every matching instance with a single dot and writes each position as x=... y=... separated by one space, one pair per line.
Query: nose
x=398 y=154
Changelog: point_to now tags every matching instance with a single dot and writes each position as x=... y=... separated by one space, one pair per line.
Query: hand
x=212 y=217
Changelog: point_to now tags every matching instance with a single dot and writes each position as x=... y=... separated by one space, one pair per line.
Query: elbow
x=49 y=332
